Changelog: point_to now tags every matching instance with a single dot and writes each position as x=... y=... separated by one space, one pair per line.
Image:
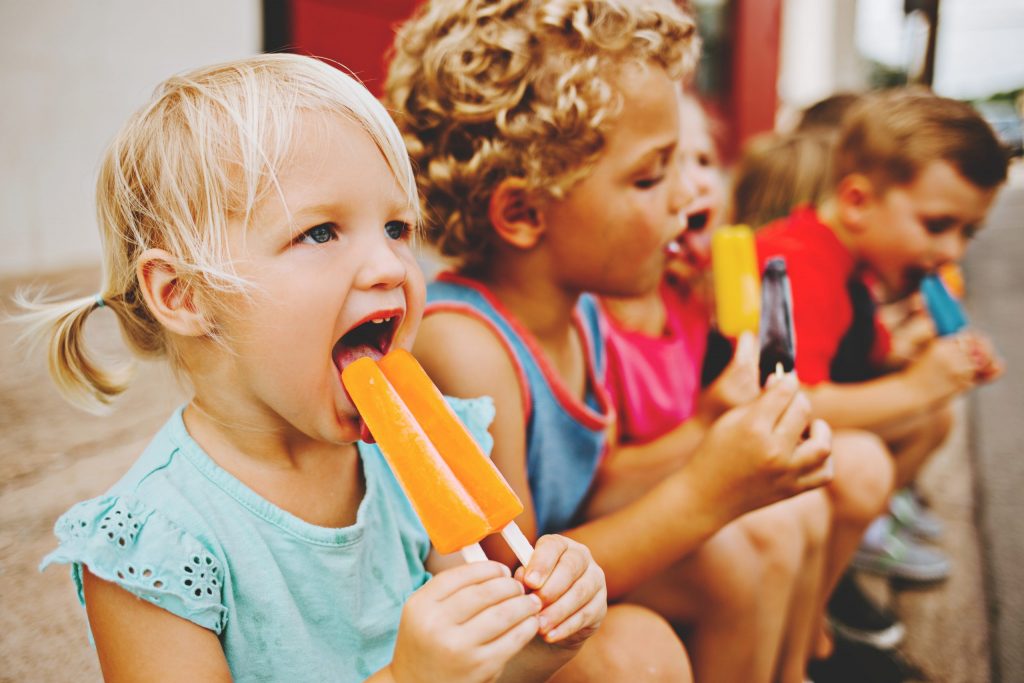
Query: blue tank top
x=565 y=437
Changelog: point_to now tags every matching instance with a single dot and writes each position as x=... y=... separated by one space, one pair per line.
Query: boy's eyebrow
x=662 y=154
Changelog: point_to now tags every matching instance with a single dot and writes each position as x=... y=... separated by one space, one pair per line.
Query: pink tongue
x=364 y=433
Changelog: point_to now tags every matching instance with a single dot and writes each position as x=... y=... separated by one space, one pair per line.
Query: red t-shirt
x=819 y=267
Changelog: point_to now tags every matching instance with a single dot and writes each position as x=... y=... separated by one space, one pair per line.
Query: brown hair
x=485 y=90
x=779 y=172
x=891 y=135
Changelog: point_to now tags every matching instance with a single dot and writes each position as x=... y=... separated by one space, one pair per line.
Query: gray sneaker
x=910 y=513
x=889 y=551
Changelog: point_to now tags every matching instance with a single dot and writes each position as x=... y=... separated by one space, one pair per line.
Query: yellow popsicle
x=736 y=280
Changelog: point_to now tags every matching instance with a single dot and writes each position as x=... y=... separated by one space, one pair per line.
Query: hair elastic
x=100 y=303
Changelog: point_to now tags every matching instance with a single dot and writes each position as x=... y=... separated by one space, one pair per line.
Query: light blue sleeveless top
x=565 y=437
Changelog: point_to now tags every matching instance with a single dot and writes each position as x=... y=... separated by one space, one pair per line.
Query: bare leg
x=807 y=517
x=859 y=492
x=732 y=603
x=633 y=644
x=913 y=441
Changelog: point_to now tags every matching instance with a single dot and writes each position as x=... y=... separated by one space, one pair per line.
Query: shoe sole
x=918 y=575
x=886 y=639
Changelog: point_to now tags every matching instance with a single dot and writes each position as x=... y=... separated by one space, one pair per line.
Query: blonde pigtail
x=79 y=377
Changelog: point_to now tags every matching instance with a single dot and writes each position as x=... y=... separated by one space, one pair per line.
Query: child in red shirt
x=914 y=176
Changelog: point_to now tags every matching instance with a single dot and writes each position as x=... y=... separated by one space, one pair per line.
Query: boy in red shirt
x=914 y=176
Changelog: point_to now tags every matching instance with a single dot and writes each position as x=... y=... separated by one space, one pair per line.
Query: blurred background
x=72 y=71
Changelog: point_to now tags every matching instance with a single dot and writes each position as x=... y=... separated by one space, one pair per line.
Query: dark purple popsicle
x=778 y=338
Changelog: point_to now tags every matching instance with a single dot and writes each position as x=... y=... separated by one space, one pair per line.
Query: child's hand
x=909 y=336
x=988 y=366
x=738 y=384
x=758 y=454
x=571 y=587
x=954 y=364
x=464 y=625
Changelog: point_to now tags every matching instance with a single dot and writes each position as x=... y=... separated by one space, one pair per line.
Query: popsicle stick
x=513 y=535
x=473 y=553
x=780 y=372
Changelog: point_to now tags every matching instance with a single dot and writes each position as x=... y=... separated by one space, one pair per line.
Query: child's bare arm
x=138 y=641
x=948 y=366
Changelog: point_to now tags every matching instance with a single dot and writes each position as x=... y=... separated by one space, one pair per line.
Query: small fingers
x=794 y=419
x=498 y=619
x=777 y=396
x=813 y=453
x=546 y=555
x=446 y=583
x=566 y=576
x=583 y=606
x=505 y=645
x=466 y=603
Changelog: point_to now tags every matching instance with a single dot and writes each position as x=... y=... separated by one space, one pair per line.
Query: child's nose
x=382 y=267
x=951 y=247
x=685 y=190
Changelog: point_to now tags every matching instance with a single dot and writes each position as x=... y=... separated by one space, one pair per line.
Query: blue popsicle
x=945 y=310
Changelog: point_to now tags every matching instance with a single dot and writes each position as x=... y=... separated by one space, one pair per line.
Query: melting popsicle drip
x=778 y=338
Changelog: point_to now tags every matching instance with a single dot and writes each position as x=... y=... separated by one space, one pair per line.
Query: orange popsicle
x=953 y=278
x=472 y=468
x=737 y=285
x=449 y=514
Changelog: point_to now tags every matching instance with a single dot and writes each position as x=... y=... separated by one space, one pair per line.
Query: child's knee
x=731 y=572
x=779 y=537
x=633 y=644
x=864 y=476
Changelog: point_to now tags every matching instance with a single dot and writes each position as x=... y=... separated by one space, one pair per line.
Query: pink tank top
x=654 y=381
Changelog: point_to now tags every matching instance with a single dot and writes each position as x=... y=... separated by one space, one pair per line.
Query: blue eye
x=396 y=230
x=319 y=234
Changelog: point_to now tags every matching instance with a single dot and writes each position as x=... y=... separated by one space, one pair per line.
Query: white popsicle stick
x=473 y=553
x=517 y=542
x=780 y=372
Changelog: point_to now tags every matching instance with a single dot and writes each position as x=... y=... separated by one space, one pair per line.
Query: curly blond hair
x=485 y=90
x=207 y=147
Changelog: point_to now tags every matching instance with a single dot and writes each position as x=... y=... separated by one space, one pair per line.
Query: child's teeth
x=378 y=321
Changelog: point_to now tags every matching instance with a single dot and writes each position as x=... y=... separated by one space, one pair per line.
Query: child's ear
x=167 y=298
x=854 y=196
x=514 y=214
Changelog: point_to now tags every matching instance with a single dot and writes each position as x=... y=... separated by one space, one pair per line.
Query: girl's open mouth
x=698 y=221
x=372 y=337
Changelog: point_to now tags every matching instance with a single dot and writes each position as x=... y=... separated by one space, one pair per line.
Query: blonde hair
x=891 y=135
x=486 y=90
x=777 y=173
x=205 y=149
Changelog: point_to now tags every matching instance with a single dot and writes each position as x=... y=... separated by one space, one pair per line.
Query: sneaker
x=907 y=508
x=854 y=662
x=889 y=551
x=857 y=617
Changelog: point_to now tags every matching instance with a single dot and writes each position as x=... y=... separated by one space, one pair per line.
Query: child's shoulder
x=147 y=535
